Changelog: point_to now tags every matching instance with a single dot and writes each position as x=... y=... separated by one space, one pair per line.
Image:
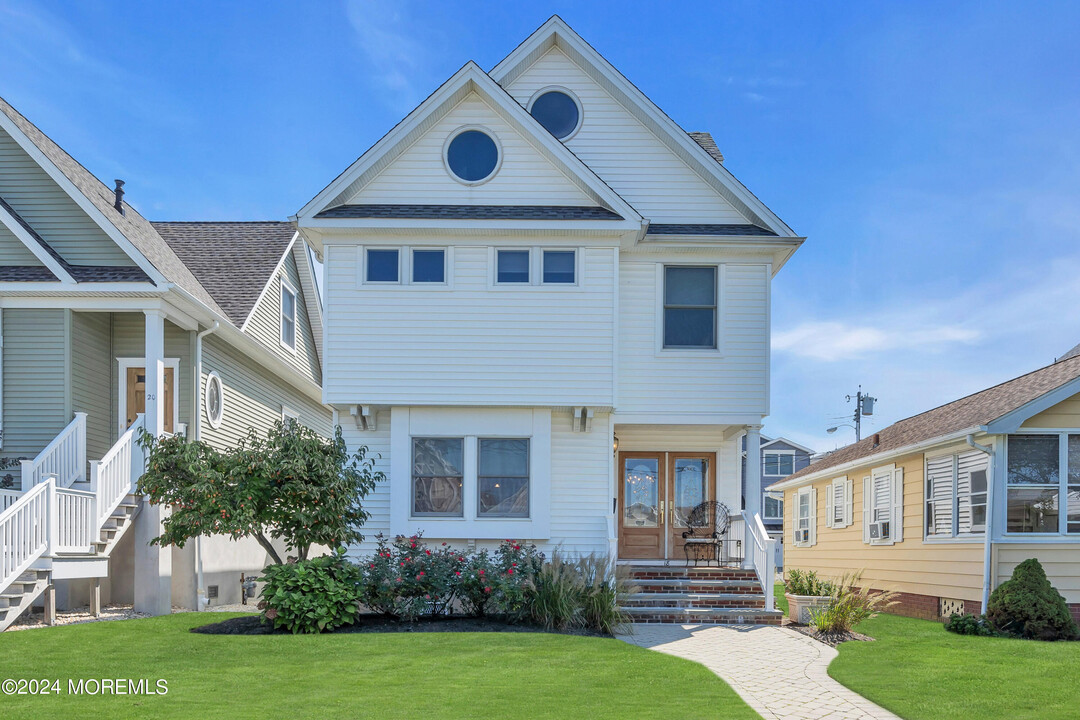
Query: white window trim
x=211 y=377
x=1063 y=486
x=471 y=423
x=536 y=269
x=721 y=282
x=498 y=154
x=811 y=491
x=405 y=256
x=568 y=93
x=954 y=536
x=121 y=403
x=777 y=497
x=287 y=286
x=896 y=504
x=845 y=484
x=792 y=453
x=288 y=413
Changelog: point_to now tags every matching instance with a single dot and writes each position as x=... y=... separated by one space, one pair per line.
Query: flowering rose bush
x=406 y=578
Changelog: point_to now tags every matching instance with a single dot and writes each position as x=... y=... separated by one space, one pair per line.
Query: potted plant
x=806 y=593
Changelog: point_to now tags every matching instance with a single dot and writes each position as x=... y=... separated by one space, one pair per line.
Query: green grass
x=395 y=675
x=921 y=672
x=781 y=601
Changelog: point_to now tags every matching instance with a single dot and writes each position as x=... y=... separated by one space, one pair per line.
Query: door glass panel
x=641 y=478
x=689 y=490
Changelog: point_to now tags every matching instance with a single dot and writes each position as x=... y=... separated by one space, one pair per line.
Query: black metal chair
x=707 y=525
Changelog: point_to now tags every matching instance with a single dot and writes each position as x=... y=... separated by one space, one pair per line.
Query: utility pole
x=864 y=405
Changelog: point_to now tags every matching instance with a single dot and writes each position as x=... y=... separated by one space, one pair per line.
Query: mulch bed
x=254 y=625
x=831 y=639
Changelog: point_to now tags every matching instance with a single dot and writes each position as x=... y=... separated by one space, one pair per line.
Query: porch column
x=752 y=494
x=153 y=564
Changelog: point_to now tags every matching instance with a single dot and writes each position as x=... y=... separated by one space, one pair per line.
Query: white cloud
x=393 y=53
x=833 y=341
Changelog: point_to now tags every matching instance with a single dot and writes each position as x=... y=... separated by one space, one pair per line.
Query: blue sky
x=930 y=151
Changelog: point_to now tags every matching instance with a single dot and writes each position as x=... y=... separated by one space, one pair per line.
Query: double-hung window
x=804 y=529
x=772 y=508
x=288 y=316
x=559 y=267
x=503 y=477
x=438 y=466
x=883 y=506
x=1034 y=484
x=690 y=294
x=512 y=266
x=779 y=464
x=838 y=502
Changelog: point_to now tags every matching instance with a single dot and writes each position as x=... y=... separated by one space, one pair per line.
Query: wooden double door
x=657 y=491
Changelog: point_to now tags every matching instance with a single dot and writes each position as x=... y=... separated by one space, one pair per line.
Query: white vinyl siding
x=468 y=345
x=731 y=379
x=51 y=211
x=265 y=322
x=524 y=177
x=13 y=252
x=838 y=503
x=883 y=502
x=625 y=153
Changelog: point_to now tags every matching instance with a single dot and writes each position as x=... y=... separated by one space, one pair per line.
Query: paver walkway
x=777 y=671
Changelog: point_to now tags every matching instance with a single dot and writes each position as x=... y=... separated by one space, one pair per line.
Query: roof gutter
x=877 y=457
x=988 y=534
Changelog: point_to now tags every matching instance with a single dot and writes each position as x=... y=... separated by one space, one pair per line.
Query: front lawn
x=393 y=675
x=921 y=672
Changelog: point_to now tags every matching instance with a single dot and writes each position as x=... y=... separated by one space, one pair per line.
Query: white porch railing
x=761 y=553
x=64 y=458
x=77 y=526
x=8 y=498
x=24 y=532
x=115 y=475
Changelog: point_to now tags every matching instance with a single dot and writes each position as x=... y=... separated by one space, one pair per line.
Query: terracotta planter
x=799 y=606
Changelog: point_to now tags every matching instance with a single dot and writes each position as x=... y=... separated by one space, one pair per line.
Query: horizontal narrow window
x=437 y=476
x=503 y=477
x=690 y=307
x=382 y=266
x=429 y=266
x=513 y=266
x=559 y=266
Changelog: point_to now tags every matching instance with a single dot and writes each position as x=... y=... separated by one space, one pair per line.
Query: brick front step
x=696 y=600
x=691 y=585
x=681 y=573
x=712 y=616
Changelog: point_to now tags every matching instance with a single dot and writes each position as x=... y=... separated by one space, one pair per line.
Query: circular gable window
x=472 y=155
x=558 y=111
x=215 y=400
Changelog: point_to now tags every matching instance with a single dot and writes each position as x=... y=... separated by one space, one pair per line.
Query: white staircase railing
x=761 y=553
x=25 y=532
x=8 y=498
x=113 y=477
x=77 y=526
x=64 y=458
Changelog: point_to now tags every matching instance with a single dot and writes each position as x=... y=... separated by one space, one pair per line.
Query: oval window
x=472 y=156
x=557 y=112
x=215 y=400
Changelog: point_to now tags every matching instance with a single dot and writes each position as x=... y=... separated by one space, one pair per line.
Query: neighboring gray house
x=110 y=323
x=780 y=457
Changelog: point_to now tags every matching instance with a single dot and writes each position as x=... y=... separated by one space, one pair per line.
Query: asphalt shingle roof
x=471 y=212
x=232 y=260
x=26 y=273
x=968 y=412
x=707 y=229
x=705 y=140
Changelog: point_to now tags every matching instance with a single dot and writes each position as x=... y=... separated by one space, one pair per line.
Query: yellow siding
x=952 y=570
x=1066 y=414
x=1061 y=563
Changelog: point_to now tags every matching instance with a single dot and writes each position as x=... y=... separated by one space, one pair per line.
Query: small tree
x=292 y=485
x=1027 y=605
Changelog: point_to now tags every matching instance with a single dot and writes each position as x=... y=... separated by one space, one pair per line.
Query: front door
x=657 y=491
x=136 y=396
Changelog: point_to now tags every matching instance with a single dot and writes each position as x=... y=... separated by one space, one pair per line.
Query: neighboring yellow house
x=943 y=505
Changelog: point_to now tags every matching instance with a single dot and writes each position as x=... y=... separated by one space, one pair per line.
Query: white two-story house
x=547 y=310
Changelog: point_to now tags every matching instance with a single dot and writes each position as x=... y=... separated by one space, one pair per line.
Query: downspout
x=200 y=595
x=988 y=534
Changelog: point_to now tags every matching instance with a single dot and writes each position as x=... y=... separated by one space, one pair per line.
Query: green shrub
x=555 y=601
x=806 y=582
x=499 y=584
x=851 y=603
x=968 y=624
x=1027 y=605
x=604 y=589
x=312 y=596
x=407 y=579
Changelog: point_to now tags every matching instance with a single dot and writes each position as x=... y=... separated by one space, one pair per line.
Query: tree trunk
x=268 y=547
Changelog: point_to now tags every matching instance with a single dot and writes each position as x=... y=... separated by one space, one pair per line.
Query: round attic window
x=558 y=111
x=472 y=155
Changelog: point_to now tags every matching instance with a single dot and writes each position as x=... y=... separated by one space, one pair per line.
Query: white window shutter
x=829 y=505
x=848 y=501
x=866 y=492
x=813 y=517
x=897 y=518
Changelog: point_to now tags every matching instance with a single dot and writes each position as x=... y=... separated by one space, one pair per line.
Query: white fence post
x=52 y=517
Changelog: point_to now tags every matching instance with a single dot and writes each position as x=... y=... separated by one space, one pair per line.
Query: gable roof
x=969 y=413
x=555 y=32
x=472 y=212
x=1071 y=354
x=232 y=260
x=470 y=78
x=151 y=252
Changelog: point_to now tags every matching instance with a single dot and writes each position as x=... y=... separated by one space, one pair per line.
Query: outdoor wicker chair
x=707 y=525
